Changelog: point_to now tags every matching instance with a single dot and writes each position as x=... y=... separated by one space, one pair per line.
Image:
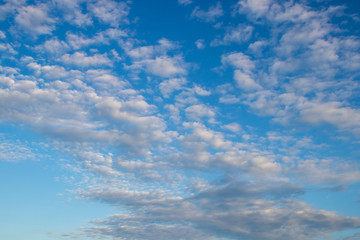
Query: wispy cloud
x=210 y=15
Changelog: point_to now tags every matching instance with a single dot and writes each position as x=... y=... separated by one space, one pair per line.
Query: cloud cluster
x=295 y=69
x=146 y=134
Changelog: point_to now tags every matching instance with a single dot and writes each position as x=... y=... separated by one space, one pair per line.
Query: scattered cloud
x=184 y=2
x=73 y=12
x=53 y=46
x=200 y=43
x=168 y=86
x=16 y=150
x=239 y=34
x=35 y=20
x=210 y=15
x=162 y=66
x=217 y=140
x=82 y=60
x=110 y=12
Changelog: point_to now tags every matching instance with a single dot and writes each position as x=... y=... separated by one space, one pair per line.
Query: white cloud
x=146 y=52
x=184 y=2
x=234 y=127
x=166 y=66
x=104 y=79
x=200 y=43
x=168 y=86
x=53 y=46
x=7 y=81
x=200 y=91
x=54 y=112
x=35 y=20
x=82 y=60
x=74 y=112
x=239 y=61
x=2 y=35
x=257 y=47
x=206 y=178
x=196 y=112
x=72 y=12
x=186 y=97
x=334 y=113
x=174 y=112
x=78 y=41
x=210 y=15
x=279 y=220
x=229 y=99
x=259 y=7
x=10 y=8
x=16 y=150
x=48 y=71
x=163 y=66
x=154 y=59
x=110 y=12
x=239 y=34
x=327 y=172
x=243 y=74
x=245 y=81
x=7 y=48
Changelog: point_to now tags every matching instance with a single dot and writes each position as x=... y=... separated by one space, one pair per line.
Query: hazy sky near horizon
x=180 y=119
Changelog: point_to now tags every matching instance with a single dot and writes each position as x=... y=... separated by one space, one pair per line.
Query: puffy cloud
x=104 y=79
x=35 y=20
x=7 y=81
x=296 y=68
x=259 y=7
x=72 y=111
x=53 y=46
x=244 y=68
x=78 y=41
x=154 y=59
x=162 y=66
x=327 y=172
x=146 y=52
x=110 y=12
x=73 y=12
x=234 y=127
x=200 y=91
x=49 y=112
x=331 y=112
x=210 y=15
x=82 y=60
x=10 y=7
x=196 y=112
x=168 y=86
x=165 y=66
x=245 y=81
x=202 y=179
x=239 y=61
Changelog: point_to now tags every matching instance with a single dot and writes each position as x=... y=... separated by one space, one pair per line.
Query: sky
x=180 y=119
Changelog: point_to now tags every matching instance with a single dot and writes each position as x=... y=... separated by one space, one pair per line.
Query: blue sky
x=179 y=119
